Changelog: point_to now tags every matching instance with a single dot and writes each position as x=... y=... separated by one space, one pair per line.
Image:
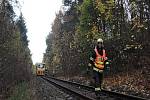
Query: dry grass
x=24 y=91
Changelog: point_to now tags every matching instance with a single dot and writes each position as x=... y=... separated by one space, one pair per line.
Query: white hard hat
x=100 y=40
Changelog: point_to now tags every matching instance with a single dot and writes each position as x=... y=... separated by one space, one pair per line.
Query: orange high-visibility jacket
x=100 y=59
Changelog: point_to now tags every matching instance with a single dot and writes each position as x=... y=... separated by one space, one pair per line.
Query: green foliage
x=86 y=19
x=122 y=24
x=15 y=57
x=22 y=27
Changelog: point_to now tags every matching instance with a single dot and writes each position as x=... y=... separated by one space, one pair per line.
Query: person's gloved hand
x=89 y=64
x=107 y=64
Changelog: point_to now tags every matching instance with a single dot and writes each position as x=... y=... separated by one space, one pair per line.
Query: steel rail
x=111 y=93
x=68 y=89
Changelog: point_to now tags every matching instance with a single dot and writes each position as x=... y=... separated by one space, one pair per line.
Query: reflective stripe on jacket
x=100 y=59
x=98 y=70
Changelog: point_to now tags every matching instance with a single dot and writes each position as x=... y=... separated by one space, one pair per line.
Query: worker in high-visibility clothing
x=98 y=60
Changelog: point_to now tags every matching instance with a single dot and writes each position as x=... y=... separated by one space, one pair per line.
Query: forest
x=15 y=57
x=124 y=25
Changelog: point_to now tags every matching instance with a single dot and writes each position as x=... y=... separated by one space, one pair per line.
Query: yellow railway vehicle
x=40 y=69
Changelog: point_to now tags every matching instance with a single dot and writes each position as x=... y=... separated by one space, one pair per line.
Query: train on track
x=40 y=69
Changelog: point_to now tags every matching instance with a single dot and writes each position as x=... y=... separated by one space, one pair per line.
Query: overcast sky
x=39 y=15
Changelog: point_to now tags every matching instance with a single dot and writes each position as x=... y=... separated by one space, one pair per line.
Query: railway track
x=87 y=92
